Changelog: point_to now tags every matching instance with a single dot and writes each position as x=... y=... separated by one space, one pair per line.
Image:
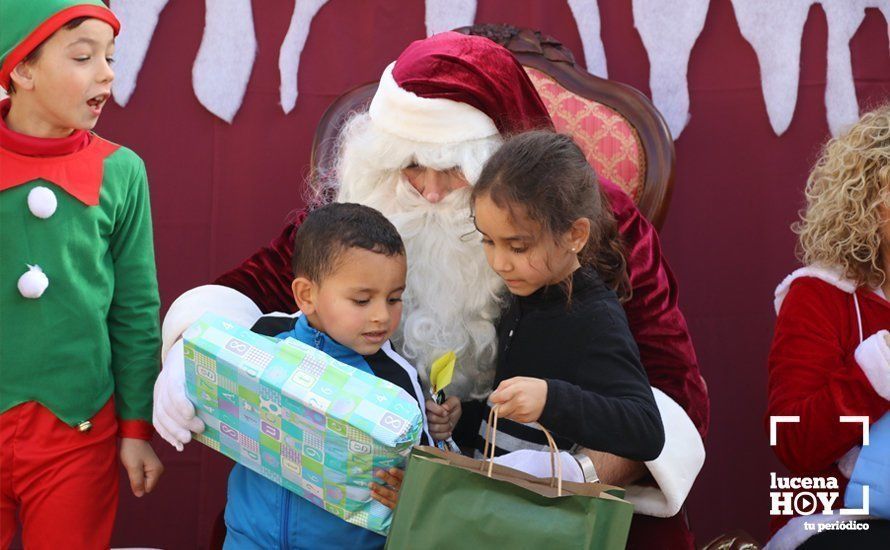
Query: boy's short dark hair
x=335 y=228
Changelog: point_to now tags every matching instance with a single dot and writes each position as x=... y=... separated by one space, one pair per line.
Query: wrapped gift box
x=297 y=416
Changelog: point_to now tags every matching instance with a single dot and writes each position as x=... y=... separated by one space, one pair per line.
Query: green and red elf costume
x=79 y=334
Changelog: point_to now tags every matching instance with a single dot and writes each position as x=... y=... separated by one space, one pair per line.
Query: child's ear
x=578 y=234
x=22 y=76
x=304 y=294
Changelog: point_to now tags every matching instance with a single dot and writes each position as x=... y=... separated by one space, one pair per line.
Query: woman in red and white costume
x=440 y=111
x=831 y=350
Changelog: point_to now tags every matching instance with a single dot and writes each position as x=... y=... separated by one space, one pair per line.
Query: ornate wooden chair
x=623 y=135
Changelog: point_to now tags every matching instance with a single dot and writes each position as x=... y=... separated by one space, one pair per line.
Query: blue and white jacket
x=262 y=514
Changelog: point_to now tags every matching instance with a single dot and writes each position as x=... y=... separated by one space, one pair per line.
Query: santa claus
x=441 y=109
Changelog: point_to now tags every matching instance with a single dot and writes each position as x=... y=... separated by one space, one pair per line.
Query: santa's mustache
x=411 y=212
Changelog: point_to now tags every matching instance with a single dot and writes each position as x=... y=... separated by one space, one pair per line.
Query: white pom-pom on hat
x=42 y=202
x=33 y=283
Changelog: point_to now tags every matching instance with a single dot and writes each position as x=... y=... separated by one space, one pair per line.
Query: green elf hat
x=27 y=23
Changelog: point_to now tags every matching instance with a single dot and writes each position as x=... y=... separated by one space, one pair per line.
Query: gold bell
x=85 y=426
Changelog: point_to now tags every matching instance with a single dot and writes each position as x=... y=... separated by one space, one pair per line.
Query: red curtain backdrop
x=220 y=191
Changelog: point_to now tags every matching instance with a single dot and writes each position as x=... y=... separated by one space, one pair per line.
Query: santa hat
x=452 y=88
x=27 y=23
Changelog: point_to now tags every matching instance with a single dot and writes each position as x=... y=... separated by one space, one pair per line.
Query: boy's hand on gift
x=442 y=418
x=520 y=399
x=388 y=494
x=142 y=464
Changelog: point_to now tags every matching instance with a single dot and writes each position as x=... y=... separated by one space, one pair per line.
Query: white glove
x=537 y=463
x=174 y=415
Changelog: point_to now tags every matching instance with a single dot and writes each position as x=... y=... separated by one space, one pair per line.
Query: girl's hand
x=142 y=464
x=520 y=399
x=388 y=494
x=442 y=418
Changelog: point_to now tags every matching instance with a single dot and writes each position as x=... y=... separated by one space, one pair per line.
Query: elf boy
x=79 y=335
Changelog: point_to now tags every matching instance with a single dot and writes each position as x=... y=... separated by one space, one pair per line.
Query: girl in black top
x=566 y=356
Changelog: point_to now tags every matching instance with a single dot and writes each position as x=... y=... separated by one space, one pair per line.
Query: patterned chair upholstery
x=620 y=131
x=611 y=144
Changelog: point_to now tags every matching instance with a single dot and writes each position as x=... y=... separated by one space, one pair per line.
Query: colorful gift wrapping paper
x=297 y=416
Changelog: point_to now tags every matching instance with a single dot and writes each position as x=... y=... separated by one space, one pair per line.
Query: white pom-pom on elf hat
x=33 y=283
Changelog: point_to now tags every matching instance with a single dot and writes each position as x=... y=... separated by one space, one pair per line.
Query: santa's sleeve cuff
x=676 y=467
x=189 y=307
x=873 y=357
x=135 y=429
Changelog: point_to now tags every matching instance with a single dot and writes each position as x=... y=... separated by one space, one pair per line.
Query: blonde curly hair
x=848 y=198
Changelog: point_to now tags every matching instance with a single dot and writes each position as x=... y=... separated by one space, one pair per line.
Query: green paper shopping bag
x=448 y=501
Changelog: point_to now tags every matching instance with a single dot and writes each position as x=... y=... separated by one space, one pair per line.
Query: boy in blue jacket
x=349 y=267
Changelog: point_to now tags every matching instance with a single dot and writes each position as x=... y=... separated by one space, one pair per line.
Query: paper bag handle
x=491 y=433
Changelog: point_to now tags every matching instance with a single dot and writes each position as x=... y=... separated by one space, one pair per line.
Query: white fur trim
x=676 y=467
x=430 y=120
x=33 y=283
x=830 y=275
x=42 y=202
x=873 y=357
x=189 y=307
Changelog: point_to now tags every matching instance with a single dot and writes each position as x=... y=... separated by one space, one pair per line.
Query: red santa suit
x=829 y=358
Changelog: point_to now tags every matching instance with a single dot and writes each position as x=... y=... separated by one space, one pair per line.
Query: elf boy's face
x=67 y=86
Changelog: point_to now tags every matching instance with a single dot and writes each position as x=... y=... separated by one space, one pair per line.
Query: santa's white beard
x=453 y=298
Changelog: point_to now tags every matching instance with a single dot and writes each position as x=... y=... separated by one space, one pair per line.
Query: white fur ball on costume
x=42 y=202
x=33 y=283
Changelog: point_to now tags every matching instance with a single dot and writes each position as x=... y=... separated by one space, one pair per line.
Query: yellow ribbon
x=442 y=371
